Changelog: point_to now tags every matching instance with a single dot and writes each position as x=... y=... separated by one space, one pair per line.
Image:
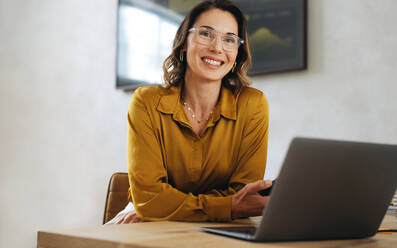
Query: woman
x=197 y=146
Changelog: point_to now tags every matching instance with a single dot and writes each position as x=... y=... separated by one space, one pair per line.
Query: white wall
x=350 y=88
x=63 y=123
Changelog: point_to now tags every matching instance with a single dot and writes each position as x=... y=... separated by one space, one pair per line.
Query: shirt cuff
x=219 y=208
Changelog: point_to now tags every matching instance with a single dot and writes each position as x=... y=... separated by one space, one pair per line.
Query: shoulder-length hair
x=174 y=68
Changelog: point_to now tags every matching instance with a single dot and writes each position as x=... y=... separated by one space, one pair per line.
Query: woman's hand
x=129 y=217
x=248 y=202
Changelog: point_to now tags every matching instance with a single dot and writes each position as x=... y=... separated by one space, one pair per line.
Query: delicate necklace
x=193 y=114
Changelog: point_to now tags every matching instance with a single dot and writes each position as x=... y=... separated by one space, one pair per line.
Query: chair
x=117 y=195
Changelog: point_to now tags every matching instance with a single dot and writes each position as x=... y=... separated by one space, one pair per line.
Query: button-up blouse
x=174 y=173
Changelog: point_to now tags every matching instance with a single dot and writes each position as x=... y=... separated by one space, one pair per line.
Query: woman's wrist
x=234 y=208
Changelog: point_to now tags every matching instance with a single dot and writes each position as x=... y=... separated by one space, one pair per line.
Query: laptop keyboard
x=239 y=229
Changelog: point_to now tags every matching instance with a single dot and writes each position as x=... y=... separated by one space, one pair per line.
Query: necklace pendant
x=193 y=115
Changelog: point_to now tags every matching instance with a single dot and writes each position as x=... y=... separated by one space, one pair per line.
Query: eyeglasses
x=206 y=36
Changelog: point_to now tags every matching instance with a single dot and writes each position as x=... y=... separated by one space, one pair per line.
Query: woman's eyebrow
x=209 y=27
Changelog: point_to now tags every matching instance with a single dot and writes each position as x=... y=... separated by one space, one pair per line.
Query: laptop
x=326 y=189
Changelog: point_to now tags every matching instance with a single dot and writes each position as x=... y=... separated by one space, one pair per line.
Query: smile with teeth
x=212 y=62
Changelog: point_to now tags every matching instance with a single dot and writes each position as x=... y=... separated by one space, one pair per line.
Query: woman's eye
x=205 y=33
x=230 y=40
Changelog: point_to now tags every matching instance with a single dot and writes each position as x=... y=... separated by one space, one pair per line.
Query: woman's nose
x=217 y=45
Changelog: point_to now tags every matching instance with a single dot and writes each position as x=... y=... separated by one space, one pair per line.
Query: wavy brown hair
x=174 y=69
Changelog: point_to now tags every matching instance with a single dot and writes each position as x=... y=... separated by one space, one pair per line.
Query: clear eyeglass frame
x=227 y=39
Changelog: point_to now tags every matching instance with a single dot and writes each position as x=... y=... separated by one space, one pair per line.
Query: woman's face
x=211 y=62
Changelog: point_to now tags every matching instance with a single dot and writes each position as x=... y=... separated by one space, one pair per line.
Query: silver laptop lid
x=330 y=189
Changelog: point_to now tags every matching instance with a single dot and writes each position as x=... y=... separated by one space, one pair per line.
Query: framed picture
x=277 y=32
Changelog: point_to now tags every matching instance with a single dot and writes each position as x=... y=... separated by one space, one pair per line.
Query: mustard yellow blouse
x=175 y=174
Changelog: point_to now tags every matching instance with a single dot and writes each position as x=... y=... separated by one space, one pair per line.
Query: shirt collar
x=169 y=100
x=169 y=103
x=227 y=104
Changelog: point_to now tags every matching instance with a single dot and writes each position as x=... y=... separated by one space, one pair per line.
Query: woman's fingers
x=247 y=202
x=250 y=205
x=254 y=187
x=120 y=220
x=129 y=217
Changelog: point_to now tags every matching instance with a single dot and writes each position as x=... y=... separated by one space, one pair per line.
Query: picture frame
x=277 y=32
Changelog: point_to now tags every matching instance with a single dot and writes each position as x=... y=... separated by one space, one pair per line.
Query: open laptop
x=326 y=189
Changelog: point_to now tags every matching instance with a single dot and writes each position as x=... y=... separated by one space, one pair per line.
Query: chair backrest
x=117 y=195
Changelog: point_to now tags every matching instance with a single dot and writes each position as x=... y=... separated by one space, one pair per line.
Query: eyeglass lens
x=207 y=36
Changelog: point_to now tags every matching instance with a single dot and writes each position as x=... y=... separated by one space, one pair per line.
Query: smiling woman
x=174 y=67
x=209 y=61
x=197 y=146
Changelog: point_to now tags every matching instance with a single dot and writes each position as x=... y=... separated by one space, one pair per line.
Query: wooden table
x=188 y=234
